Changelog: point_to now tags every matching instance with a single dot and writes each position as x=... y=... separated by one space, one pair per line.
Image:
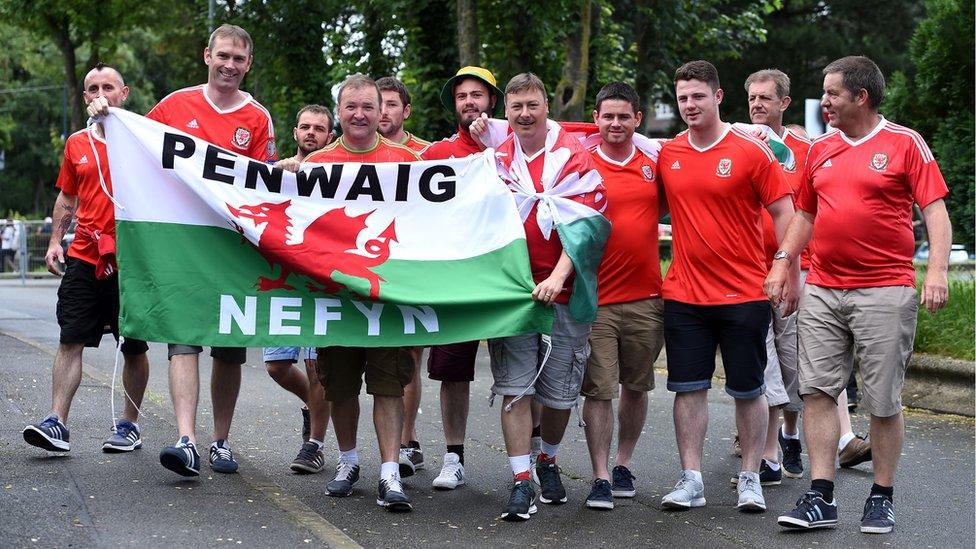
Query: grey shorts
x=515 y=361
x=232 y=355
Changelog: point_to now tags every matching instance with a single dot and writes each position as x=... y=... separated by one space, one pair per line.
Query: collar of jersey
x=342 y=143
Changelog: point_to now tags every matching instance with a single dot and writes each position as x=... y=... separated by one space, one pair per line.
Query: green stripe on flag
x=173 y=277
x=584 y=241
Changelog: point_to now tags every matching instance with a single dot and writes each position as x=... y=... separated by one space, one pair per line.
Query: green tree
x=938 y=101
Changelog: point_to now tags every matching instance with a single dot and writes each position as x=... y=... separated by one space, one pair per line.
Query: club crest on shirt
x=242 y=138
x=648 y=172
x=879 y=161
x=724 y=168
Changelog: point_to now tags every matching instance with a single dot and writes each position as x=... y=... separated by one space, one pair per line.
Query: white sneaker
x=750 y=493
x=452 y=473
x=688 y=493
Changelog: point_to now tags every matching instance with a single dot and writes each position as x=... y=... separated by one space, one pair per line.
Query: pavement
x=90 y=499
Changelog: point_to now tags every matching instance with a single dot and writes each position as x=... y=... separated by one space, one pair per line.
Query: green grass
x=952 y=331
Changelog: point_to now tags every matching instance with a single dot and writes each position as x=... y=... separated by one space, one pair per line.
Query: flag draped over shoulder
x=571 y=202
x=784 y=154
x=218 y=249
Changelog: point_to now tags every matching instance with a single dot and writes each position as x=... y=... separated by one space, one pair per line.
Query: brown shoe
x=857 y=451
x=736 y=447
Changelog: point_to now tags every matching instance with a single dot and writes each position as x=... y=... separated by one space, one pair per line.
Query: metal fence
x=24 y=244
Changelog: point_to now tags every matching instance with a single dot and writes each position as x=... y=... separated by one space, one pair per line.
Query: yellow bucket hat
x=447 y=93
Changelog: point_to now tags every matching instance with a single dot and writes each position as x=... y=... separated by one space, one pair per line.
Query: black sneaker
x=310 y=459
x=182 y=458
x=50 y=434
x=221 y=458
x=792 y=463
x=811 y=512
x=601 y=496
x=306 y=425
x=623 y=482
x=411 y=460
x=345 y=476
x=551 y=488
x=521 y=503
x=390 y=495
x=879 y=515
x=125 y=438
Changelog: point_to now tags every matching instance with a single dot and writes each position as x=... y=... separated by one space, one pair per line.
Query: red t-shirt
x=543 y=254
x=715 y=195
x=415 y=143
x=79 y=177
x=383 y=151
x=800 y=147
x=631 y=268
x=458 y=145
x=246 y=129
x=861 y=194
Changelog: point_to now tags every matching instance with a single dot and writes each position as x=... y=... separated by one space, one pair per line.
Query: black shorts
x=87 y=305
x=452 y=362
x=693 y=332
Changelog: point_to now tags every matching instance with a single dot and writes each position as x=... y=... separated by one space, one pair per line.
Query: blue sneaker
x=125 y=438
x=623 y=482
x=221 y=458
x=345 y=477
x=879 y=515
x=811 y=512
x=181 y=458
x=50 y=434
x=601 y=496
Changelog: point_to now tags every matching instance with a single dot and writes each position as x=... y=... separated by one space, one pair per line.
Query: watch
x=781 y=255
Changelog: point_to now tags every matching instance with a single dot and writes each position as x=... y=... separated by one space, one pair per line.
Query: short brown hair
x=389 y=83
x=860 y=73
x=357 y=81
x=315 y=109
x=525 y=82
x=777 y=76
x=702 y=71
x=233 y=32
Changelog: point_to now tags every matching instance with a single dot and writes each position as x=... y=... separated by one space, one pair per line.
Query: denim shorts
x=290 y=354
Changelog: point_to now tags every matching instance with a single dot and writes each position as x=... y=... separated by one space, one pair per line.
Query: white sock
x=845 y=440
x=318 y=443
x=350 y=456
x=549 y=449
x=520 y=464
x=794 y=436
x=695 y=474
x=390 y=469
x=773 y=465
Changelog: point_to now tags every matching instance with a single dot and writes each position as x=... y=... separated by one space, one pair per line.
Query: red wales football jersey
x=861 y=193
x=458 y=145
x=631 y=268
x=245 y=129
x=715 y=194
x=384 y=151
x=415 y=143
x=800 y=147
x=79 y=177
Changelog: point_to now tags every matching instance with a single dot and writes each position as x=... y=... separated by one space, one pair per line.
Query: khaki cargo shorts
x=626 y=339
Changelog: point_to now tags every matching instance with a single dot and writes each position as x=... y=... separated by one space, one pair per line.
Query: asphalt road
x=88 y=498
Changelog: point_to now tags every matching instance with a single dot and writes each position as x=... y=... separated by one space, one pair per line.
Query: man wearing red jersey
x=88 y=297
x=468 y=94
x=717 y=179
x=394 y=111
x=859 y=186
x=387 y=369
x=220 y=113
x=627 y=335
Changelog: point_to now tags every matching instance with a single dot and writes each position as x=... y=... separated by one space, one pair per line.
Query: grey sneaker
x=310 y=459
x=687 y=493
x=125 y=438
x=345 y=477
x=750 y=493
x=390 y=495
x=452 y=473
x=411 y=461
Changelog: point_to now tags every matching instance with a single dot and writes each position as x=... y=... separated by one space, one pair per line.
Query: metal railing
x=24 y=244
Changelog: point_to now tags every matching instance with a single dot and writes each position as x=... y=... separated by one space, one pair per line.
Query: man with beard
x=470 y=93
x=394 y=111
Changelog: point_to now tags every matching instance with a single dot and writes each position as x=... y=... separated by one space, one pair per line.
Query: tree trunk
x=643 y=81
x=469 y=50
x=59 y=31
x=571 y=90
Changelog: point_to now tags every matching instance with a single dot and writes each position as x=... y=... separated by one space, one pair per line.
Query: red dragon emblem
x=329 y=246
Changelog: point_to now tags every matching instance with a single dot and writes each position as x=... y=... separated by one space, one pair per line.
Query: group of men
x=744 y=229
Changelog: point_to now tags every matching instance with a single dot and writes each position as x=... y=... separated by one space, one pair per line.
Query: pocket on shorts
x=574 y=382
